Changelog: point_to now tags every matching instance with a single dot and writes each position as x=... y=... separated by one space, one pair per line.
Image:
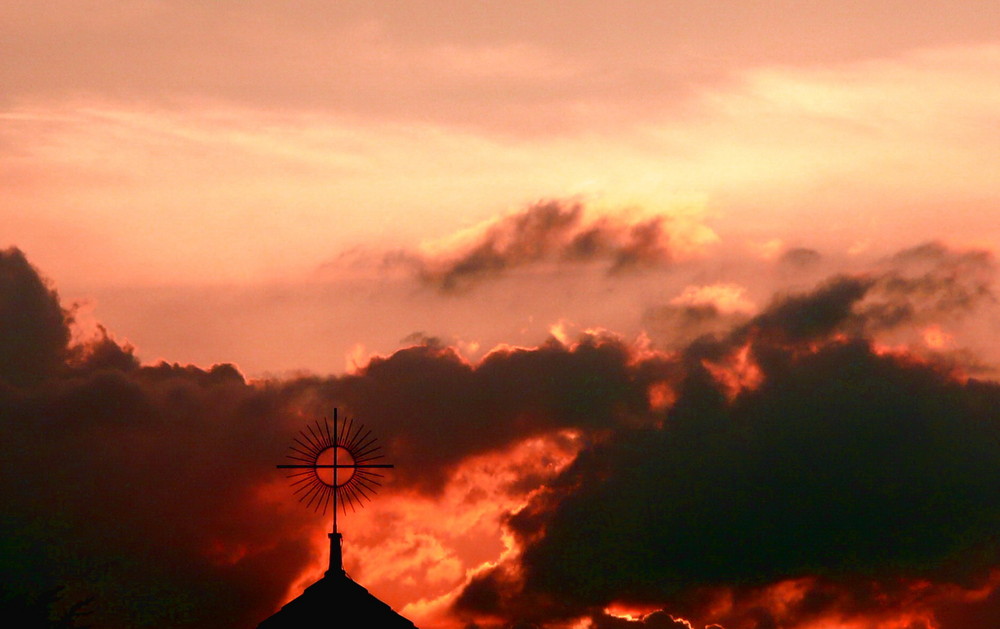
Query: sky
x=669 y=314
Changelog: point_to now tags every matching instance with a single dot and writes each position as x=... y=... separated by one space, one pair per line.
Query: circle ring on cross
x=337 y=464
x=342 y=467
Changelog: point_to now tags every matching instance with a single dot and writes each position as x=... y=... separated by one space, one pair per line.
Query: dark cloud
x=644 y=245
x=864 y=472
x=34 y=328
x=800 y=257
x=931 y=282
x=444 y=409
x=548 y=231
x=136 y=486
x=856 y=472
x=801 y=317
x=141 y=485
x=917 y=286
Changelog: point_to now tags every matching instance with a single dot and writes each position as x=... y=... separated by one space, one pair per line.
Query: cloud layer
x=789 y=469
x=152 y=488
x=795 y=449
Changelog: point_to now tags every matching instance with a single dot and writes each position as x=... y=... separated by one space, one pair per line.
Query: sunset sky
x=669 y=314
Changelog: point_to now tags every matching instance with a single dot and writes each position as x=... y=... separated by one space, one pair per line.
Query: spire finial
x=335 y=467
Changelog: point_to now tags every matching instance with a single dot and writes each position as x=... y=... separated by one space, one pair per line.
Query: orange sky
x=160 y=147
x=295 y=188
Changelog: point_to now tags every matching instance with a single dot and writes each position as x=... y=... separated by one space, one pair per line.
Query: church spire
x=332 y=467
x=336 y=554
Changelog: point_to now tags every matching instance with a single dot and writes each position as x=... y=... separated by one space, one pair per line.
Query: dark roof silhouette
x=336 y=596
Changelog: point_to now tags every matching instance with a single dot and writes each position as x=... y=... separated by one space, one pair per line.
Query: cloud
x=547 y=231
x=926 y=284
x=699 y=311
x=788 y=455
x=151 y=487
x=800 y=257
x=444 y=409
x=656 y=620
x=144 y=487
x=801 y=317
x=34 y=325
x=862 y=472
x=929 y=282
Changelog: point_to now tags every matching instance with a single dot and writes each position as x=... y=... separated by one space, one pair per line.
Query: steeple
x=336 y=554
x=340 y=598
x=331 y=468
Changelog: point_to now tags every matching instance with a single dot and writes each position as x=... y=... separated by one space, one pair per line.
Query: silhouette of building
x=347 y=459
x=338 y=598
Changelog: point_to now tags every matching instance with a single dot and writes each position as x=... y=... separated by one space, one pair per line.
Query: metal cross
x=353 y=444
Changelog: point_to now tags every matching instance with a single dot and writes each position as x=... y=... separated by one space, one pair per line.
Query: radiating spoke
x=346 y=474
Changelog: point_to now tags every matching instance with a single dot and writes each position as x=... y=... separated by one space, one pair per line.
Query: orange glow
x=909 y=355
x=625 y=612
x=223 y=554
x=737 y=373
x=661 y=396
x=559 y=331
x=781 y=601
x=727 y=298
x=936 y=338
x=417 y=553
x=781 y=596
x=956 y=593
x=904 y=620
x=912 y=608
x=636 y=613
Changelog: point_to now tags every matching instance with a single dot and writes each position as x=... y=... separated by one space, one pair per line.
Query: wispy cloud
x=553 y=232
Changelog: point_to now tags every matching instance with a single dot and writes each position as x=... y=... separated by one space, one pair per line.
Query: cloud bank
x=796 y=451
x=790 y=470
